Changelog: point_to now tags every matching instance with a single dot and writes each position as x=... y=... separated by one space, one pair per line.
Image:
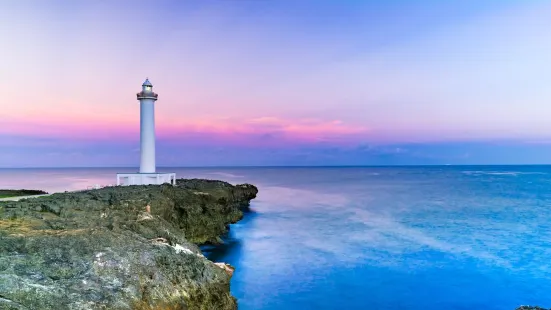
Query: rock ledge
x=101 y=249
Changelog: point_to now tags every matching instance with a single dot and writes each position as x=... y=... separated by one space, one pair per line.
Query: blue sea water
x=447 y=237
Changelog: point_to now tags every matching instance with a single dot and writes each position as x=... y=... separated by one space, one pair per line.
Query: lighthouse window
x=148 y=88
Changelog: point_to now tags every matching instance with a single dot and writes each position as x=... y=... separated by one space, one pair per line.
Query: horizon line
x=279 y=166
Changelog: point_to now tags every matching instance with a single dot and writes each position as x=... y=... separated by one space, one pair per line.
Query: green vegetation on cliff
x=6 y=193
x=100 y=249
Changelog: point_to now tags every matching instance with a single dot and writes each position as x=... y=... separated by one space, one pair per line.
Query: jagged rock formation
x=101 y=249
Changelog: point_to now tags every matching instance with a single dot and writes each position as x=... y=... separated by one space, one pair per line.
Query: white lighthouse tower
x=147 y=174
x=147 y=100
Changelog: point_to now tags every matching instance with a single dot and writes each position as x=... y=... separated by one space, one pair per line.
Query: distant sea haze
x=431 y=237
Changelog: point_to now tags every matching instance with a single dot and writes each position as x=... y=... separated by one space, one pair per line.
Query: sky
x=254 y=83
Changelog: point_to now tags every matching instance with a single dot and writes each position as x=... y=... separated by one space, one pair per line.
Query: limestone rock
x=229 y=269
x=99 y=249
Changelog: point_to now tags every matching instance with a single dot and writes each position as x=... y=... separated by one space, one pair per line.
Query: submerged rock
x=100 y=249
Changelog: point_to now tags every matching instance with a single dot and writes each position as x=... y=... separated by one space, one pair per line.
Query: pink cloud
x=257 y=131
x=306 y=126
x=298 y=127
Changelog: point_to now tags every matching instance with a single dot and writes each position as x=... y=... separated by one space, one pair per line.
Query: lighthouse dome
x=147 y=83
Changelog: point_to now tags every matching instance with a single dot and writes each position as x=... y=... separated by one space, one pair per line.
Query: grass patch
x=20 y=226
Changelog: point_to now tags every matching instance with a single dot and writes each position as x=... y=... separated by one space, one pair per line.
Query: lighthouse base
x=146 y=178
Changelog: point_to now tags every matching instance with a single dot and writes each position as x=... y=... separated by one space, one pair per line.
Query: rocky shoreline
x=132 y=247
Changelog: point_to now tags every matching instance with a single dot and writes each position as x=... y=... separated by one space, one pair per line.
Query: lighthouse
x=147 y=100
x=147 y=174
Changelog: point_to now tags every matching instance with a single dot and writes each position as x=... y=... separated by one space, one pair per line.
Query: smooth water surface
x=375 y=238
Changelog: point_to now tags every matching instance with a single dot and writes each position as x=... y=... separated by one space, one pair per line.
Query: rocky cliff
x=102 y=249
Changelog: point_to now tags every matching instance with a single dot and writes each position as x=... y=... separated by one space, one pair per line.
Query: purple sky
x=276 y=82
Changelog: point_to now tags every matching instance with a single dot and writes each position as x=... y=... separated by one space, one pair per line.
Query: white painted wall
x=147 y=135
x=146 y=178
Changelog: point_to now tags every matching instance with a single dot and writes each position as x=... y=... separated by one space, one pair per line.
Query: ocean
x=439 y=237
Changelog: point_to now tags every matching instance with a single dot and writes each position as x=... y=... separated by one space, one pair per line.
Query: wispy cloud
x=239 y=130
